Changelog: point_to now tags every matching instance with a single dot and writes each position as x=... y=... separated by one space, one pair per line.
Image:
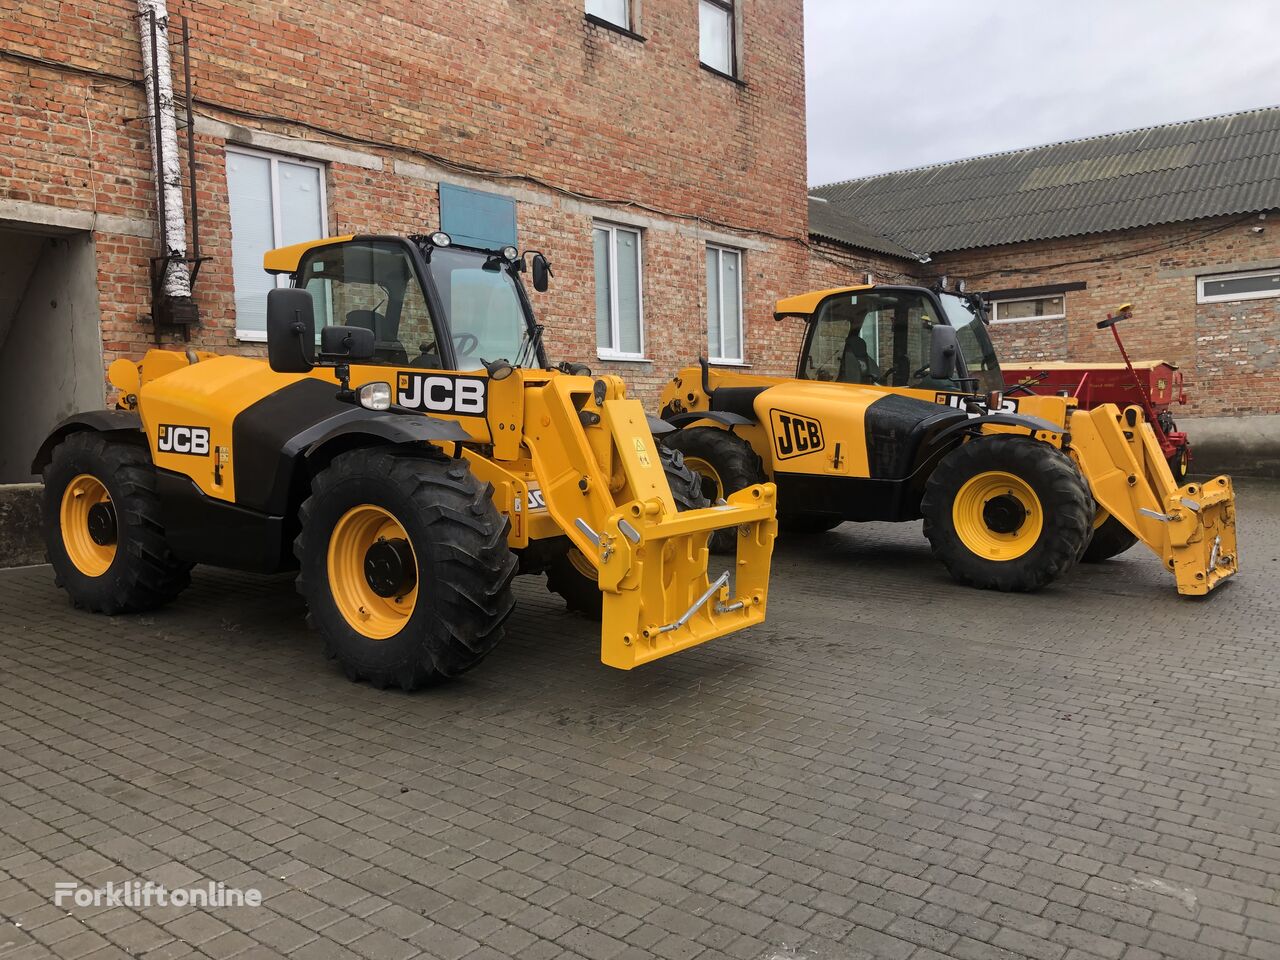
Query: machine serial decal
x=794 y=435
x=958 y=400
x=442 y=393
x=172 y=438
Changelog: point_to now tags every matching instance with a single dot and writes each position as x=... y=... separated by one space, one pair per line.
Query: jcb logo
x=794 y=435
x=961 y=401
x=178 y=439
x=437 y=393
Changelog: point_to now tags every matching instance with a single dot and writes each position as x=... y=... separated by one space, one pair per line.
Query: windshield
x=975 y=344
x=485 y=315
x=874 y=337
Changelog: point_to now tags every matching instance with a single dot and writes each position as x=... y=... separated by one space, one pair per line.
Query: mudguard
x=265 y=469
x=1033 y=424
x=99 y=421
x=722 y=417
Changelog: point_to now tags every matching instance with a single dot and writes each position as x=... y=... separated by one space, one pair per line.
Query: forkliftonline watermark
x=140 y=893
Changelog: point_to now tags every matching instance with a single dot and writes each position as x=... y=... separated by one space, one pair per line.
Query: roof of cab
x=804 y=304
x=286 y=259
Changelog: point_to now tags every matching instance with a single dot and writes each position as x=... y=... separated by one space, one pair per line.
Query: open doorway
x=50 y=339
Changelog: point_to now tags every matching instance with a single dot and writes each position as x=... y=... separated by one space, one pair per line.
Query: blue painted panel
x=476 y=218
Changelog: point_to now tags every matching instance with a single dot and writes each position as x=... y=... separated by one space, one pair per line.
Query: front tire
x=404 y=565
x=571 y=575
x=1007 y=513
x=103 y=527
x=724 y=463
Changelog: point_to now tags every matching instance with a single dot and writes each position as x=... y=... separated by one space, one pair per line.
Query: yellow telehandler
x=408 y=463
x=898 y=411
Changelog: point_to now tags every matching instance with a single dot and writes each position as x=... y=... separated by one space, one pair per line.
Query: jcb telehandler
x=897 y=411
x=408 y=469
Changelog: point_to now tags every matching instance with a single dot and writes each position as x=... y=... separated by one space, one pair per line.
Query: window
x=880 y=337
x=619 y=311
x=275 y=201
x=716 y=35
x=614 y=11
x=486 y=317
x=372 y=284
x=724 y=304
x=1224 y=287
x=979 y=353
x=1029 y=308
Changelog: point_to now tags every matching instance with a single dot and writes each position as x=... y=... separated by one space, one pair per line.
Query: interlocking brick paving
x=894 y=766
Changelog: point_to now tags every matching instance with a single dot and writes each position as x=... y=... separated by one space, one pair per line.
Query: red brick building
x=1180 y=220
x=655 y=151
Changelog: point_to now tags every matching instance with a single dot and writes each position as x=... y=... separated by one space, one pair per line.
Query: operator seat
x=856 y=360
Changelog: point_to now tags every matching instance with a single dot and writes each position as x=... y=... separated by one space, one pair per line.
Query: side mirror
x=346 y=343
x=541 y=273
x=291 y=330
x=944 y=352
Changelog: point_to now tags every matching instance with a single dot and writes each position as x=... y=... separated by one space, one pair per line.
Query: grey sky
x=902 y=83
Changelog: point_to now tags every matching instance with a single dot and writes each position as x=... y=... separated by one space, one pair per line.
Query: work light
x=375 y=396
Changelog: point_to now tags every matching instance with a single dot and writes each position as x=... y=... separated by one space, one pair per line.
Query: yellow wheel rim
x=91 y=550
x=709 y=475
x=997 y=515
x=351 y=582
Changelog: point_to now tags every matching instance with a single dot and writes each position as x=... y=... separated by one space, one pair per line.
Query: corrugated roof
x=828 y=223
x=1180 y=171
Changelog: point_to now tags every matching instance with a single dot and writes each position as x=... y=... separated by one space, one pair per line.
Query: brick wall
x=524 y=97
x=1229 y=352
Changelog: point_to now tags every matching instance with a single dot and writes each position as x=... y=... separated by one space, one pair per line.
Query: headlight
x=440 y=239
x=510 y=253
x=375 y=396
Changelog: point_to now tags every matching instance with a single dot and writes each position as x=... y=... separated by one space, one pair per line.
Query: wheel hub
x=389 y=567
x=1004 y=514
x=102 y=524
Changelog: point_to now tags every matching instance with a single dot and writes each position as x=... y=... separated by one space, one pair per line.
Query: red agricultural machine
x=1154 y=385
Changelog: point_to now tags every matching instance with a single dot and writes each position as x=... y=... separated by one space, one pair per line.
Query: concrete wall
x=51 y=358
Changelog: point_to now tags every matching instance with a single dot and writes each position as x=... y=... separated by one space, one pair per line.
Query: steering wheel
x=465 y=343
x=921 y=372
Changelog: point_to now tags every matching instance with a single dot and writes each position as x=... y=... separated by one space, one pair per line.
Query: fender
x=722 y=417
x=99 y=421
x=658 y=426
x=1001 y=419
x=274 y=437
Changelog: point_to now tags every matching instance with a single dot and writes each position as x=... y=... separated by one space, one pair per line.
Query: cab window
x=875 y=337
x=979 y=352
x=372 y=284
x=482 y=302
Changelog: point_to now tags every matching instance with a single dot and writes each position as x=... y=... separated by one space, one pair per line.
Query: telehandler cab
x=898 y=411
x=408 y=469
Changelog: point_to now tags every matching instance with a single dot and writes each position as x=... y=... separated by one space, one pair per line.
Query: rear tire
x=1007 y=513
x=808 y=524
x=571 y=574
x=1109 y=540
x=424 y=531
x=724 y=463
x=103 y=527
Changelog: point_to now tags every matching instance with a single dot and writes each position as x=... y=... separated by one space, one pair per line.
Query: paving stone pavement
x=893 y=767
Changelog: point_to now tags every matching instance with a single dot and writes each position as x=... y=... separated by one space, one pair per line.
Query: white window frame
x=730 y=7
x=1233 y=297
x=626 y=15
x=615 y=318
x=282 y=280
x=995 y=309
x=716 y=355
